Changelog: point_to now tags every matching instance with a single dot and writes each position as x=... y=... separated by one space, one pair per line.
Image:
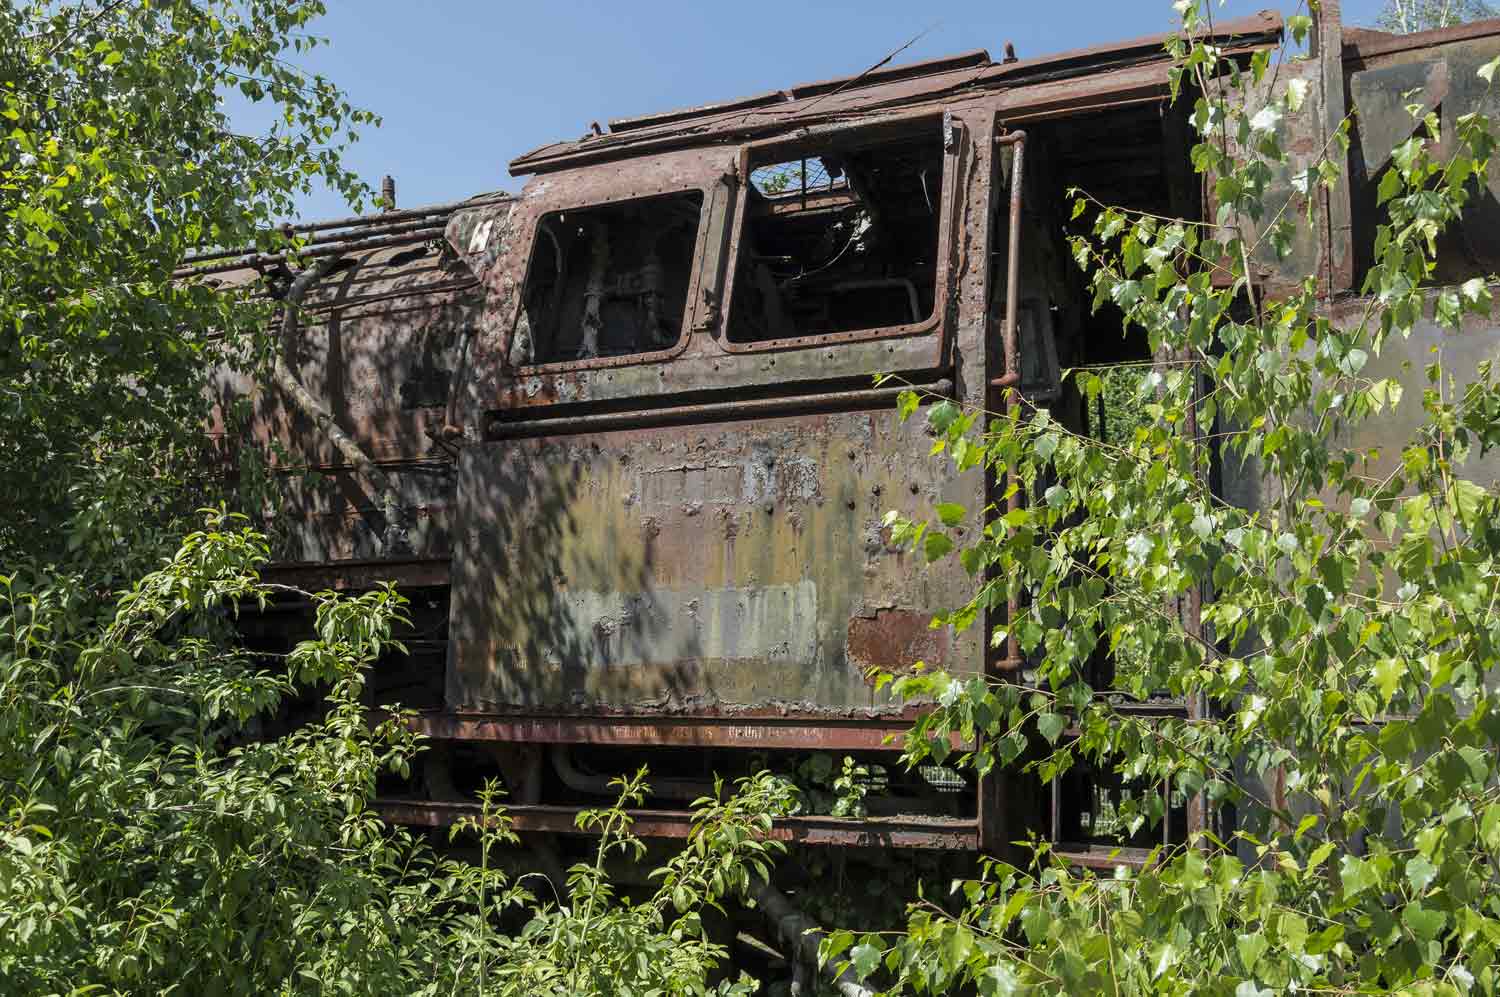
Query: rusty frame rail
x=416 y=572
x=945 y=834
x=734 y=731
x=500 y=427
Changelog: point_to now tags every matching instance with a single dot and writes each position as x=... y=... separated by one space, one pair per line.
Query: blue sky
x=464 y=86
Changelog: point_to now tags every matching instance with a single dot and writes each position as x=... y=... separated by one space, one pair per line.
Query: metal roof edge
x=1367 y=43
x=653 y=131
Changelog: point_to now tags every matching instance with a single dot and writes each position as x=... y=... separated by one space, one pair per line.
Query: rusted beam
x=1103 y=856
x=1085 y=77
x=1328 y=49
x=502 y=425
x=329 y=249
x=737 y=731
x=944 y=834
x=1361 y=44
x=359 y=575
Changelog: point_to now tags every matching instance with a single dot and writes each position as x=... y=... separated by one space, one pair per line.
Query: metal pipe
x=339 y=238
x=1011 y=349
x=438 y=213
x=499 y=427
x=1013 y=258
x=802 y=937
x=600 y=785
x=355 y=221
x=254 y=260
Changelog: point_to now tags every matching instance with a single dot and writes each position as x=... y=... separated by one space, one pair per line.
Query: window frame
x=695 y=277
x=950 y=134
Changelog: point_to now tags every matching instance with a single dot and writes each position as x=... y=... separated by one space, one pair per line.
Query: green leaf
x=1300 y=25
x=936 y=546
x=1475 y=293
x=1051 y=726
x=950 y=513
x=1426 y=924
x=864 y=957
x=1388 y=675
x=833 y=945
x=943 y=415
x=1420 y=873
x=1250 y=949
x=1357 y=875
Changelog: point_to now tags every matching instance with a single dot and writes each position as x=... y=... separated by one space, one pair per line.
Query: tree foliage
x=153 y=841
x=1406 y=16
x=117 y=159
x=157 y=835
x=1350 y=632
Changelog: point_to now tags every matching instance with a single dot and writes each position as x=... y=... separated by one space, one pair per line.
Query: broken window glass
x=841 y=237
x=793 y=178
x=608 y=281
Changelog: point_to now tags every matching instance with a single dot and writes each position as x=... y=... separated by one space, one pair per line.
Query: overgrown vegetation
x=146 y=846
x=156 y=836
x=1406 y=16
x=117 y=160
x=1349 y=626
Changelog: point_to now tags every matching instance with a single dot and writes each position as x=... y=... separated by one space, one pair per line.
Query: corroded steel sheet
x=682 y=567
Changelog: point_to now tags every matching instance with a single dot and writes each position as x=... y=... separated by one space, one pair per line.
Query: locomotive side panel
x=679 y=510
x=738 y=566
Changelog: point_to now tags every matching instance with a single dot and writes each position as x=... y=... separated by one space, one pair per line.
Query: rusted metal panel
x=380 y=346
x=681 y=567
x=893 y=639
x=874 y=832
x=1304 y=138
x=889 y=74
x=1438 y=72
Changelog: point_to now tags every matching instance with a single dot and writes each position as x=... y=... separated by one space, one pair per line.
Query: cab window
x=608 y=281
x=840 y=236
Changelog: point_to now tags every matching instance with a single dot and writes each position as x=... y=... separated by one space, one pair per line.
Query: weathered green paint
x=713 y=566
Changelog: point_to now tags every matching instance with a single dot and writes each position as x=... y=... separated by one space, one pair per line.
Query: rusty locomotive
x=628 y=416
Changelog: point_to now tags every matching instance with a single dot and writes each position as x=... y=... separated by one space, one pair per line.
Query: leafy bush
x=147 y=845
x=1349 y=624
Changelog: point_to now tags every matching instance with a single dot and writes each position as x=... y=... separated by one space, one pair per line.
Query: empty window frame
x=839 y=236
x=609 y=281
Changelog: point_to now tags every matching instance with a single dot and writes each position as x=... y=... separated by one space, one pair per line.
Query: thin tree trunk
x=801 y=935
x=395 y=539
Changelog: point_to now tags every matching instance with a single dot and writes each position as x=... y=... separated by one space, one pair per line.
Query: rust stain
x=895 y=639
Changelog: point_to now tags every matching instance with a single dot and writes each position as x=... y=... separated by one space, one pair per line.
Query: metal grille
x=800 y=176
